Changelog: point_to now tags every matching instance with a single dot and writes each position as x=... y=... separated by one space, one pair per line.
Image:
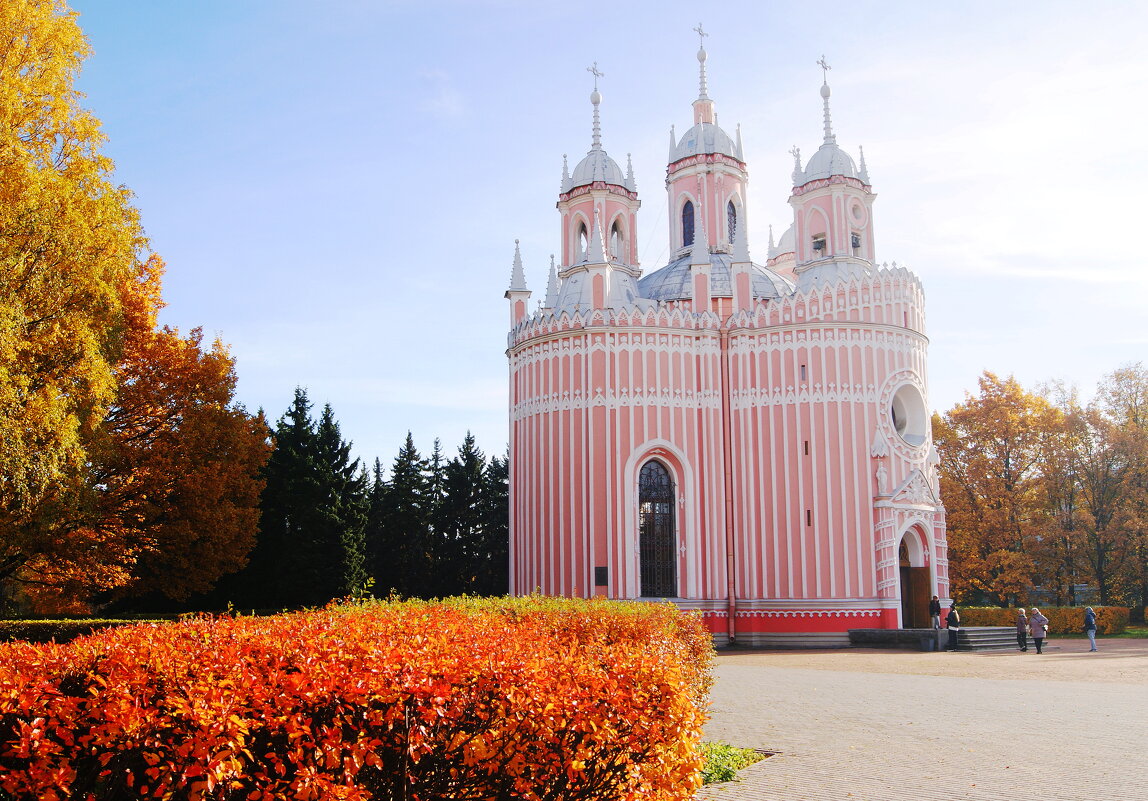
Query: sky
x=337 y=185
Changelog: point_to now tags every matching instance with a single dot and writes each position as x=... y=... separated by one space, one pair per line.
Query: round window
x=908 y=415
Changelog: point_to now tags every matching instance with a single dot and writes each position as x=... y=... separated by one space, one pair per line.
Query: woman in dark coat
x=953 y=621
x=1021 y=630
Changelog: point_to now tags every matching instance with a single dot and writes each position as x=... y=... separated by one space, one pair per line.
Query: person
x=1090 y=627
x=1038 y=624
x=953 y=621
x=1021 y=630
x=935 y=611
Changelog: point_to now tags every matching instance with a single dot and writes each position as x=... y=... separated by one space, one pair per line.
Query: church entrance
x=657 y=553
x=914 y=592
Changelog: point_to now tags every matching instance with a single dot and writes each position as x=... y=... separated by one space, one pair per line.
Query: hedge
x=1061 y=619
x=529 y=698
x=63 y=630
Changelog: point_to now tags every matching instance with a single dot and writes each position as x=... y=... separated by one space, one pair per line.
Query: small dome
x=675 y=281
x=785 y=244
x=828 y=160
x=597 y=166
x=705 y=137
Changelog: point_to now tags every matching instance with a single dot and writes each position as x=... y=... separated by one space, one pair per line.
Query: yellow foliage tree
x=69 y=241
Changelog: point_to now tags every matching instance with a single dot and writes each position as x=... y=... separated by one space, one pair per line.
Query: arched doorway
x=915 y=584
x=657 y=554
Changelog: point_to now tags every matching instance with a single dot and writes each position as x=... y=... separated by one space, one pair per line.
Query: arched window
x=657 y=536
x=687 y=224
x=616 y=241
x=582 y=242
x=731 y=220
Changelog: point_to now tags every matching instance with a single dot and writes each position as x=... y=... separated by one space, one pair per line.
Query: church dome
x=675 y=280
x=784 y=245
x=829 y=160
x=705 y=137
x=597 y=166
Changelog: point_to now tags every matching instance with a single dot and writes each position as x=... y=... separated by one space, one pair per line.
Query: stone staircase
x=986 y=638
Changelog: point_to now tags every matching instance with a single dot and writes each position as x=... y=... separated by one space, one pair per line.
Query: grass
x=723 y=761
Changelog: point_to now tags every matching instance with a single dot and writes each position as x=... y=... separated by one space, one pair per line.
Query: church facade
x=750 y=440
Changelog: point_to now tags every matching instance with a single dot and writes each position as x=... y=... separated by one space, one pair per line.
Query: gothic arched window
x=657 y=536
x=687 y=224
x=731 y=220
x=616 y=241
x=581 y=244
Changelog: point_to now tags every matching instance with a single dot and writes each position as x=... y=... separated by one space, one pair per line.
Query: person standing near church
x=1021 y=630
x=935 y=611
x=1090 y=627
x=953 y=621
x=1038 y=624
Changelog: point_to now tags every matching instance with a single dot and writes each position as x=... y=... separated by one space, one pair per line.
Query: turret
x=832 y=203
x=517 y=293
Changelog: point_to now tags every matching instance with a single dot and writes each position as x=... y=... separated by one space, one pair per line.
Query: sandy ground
x=1118 y=661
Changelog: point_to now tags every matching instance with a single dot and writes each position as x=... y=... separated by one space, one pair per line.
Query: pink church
x=748 y=440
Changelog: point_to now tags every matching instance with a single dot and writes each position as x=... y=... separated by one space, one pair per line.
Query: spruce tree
x=459 y=521
x=401 y=556
x=493 y=567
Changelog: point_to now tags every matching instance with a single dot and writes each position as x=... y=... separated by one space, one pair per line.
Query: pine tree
x=459 y=520
x=401 y=556
x=493 y=569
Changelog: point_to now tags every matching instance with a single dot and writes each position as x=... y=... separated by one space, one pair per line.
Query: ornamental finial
x=596 y=99
x=830 y=139
x=702 y=92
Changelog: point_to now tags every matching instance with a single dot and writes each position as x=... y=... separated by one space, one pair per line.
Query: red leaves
x=533 y=698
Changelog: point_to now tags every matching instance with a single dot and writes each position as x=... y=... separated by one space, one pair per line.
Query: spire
x=552 y=286
x=741 y=242
x=702 y=95
x=700 y=253
x=830 y=139
x=795 y=151
x=596 y=100
x=595 y=253
x=565 y=173
x=740 y=155
x=517 y=276
x=864 y=176
x=772 y=246
x=673 y=143
x=630 y=184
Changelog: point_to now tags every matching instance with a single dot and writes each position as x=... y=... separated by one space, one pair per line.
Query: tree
x=459 y=522
x=168 y=499
x=400 y=555
x=990 y=448
x=313 y=515
x=70 y=241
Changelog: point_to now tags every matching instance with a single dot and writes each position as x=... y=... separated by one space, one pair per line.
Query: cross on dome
x=702 y=93
x=830 y=139
x=596 y=99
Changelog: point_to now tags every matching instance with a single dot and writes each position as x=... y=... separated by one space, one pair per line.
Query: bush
x=1061 y=619
x=528 y=698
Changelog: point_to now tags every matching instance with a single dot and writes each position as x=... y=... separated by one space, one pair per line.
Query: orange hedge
x=1061 y=619
x=529 y=698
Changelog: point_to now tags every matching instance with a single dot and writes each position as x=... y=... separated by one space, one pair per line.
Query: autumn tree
x=991 y=447
x=69 y=242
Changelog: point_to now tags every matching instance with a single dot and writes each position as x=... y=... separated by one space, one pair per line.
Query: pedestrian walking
x=953 y=621
x=935 y=611
x=1038 y=625
x=1021 y=630
x=1090 y=627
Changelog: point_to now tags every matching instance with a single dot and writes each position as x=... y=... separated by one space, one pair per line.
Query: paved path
x=867 y=725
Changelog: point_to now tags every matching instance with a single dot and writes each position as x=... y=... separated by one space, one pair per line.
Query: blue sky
x=337 y=186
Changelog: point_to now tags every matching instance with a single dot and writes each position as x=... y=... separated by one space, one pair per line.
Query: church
x=748 y=439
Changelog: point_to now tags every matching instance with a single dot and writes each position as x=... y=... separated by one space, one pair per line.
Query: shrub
x=63 y=630
x=1061 y=619
x=527 y=698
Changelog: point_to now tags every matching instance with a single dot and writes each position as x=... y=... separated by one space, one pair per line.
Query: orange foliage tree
x=991 y=448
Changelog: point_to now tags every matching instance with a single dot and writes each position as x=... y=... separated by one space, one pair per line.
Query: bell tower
x=832 y=204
